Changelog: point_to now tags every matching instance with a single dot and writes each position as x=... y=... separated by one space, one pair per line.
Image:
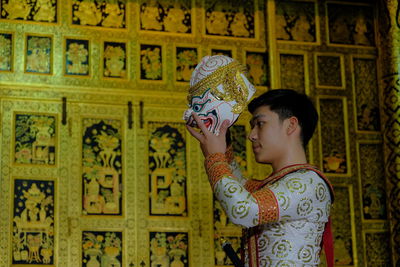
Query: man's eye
x=260 y=123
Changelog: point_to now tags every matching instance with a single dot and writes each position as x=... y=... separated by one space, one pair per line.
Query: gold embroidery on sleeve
x=268 y=206
x=217 y=167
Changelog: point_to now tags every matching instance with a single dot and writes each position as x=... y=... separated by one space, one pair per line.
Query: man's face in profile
x=267 y=135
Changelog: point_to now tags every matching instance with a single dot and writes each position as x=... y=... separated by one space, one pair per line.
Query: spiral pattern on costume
x=328 y=208
x=277 y=229
x=316 y=217
x=263 y=242
x=265 y=261
x=281 y=248
x=208 y=66
x=232 y=188
x=304 y=207
x=285 y=264
x=240 y=210
x=306 y=253
x=298 y=224
x=320 y=192
x=296 y=185
x=273 y=186
x=283 y=200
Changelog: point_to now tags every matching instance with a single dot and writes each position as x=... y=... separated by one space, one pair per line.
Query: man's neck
x=294 y=156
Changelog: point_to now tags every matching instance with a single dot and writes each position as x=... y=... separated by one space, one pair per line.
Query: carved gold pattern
x=166 y=16
x=371 y=178
x=389 y=33
x=96 y=94
x=110 y=14
x=32 y=11
x=6 y=51
x=334 y=140
x=343 y=227
x=350 y=24
x=330 y=71
x=296 y=21
x=366 y=94
x=33 y=222
x=224 y=18
x=167 y=168
x=377 y=249
x=293 y=72
x=39 y=54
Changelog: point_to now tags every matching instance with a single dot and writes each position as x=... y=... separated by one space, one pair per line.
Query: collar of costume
x=254 y=185
x=234 y=86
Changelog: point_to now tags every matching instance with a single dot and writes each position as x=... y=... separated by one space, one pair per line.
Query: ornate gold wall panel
x=118 y=180
x=389 y=35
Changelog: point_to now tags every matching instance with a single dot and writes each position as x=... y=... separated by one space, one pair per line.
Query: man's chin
x=260 y=159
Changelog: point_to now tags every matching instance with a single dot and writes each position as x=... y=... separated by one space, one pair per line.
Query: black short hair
x=287 y=103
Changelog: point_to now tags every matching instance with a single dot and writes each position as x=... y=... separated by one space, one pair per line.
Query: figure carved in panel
x=258 y=70
x=101 y=248
x=6 y=52
x=292 y=72
x=150 y=62
x=33 y=222
x=295 y=21
x=333 y=136
x=166 y=16
x=351 y=25
x=223 y=52
x=29 y=10
x=38 y=54
x=77 y=57
x=35 y=139
x=114 y=61
x=367 y=96
x=372 y=181
x=186 y=62
x=341 y=224
x=329 y=71
x=102 y=166
x=227 y=18
x=167 y=163
x=101 y=13
x=377 y=249
x=169 y=249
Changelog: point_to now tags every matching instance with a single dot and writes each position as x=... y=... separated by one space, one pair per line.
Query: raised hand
x=209 y=142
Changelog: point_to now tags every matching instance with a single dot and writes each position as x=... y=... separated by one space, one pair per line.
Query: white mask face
x=212 y=112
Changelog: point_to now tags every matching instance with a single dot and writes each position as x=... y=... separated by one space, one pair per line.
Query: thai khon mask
x=219 y=91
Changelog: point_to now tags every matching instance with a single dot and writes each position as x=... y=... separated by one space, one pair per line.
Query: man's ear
x=292 y=125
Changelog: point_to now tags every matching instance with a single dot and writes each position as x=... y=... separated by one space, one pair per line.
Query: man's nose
x=252 y=135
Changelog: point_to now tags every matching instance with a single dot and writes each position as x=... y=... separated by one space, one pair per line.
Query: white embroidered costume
x=284 y=216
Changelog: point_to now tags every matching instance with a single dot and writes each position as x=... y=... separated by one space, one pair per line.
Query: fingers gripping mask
x=219 y=91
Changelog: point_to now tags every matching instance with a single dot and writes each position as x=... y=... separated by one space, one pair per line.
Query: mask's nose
x=187 y=114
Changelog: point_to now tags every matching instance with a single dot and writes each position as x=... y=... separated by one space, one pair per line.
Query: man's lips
x=256 y=148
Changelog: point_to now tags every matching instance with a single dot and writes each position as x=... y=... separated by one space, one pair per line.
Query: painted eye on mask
x=198 y=107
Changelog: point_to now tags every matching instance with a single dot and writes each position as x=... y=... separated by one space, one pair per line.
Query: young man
x=285 y=215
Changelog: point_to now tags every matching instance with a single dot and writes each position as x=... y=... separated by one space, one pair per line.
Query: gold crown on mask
x=234 y=86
